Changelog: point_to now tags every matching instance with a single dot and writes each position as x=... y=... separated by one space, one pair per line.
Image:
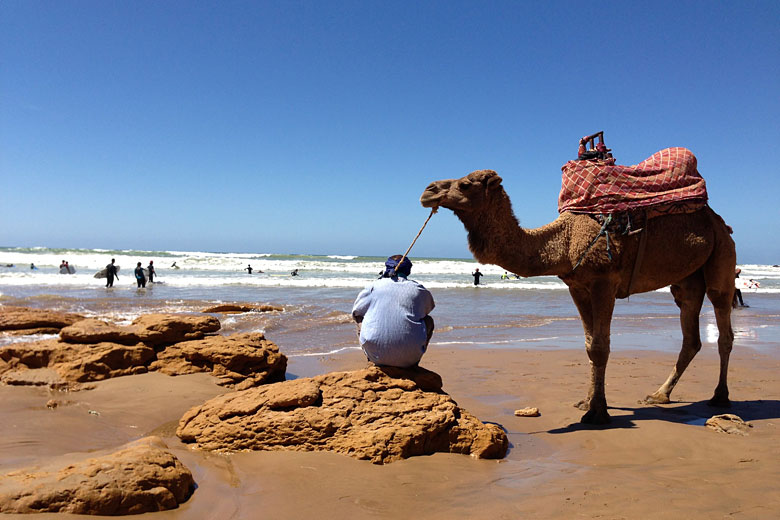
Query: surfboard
x=103 y=273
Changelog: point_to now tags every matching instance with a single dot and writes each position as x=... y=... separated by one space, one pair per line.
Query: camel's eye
x=464 y=185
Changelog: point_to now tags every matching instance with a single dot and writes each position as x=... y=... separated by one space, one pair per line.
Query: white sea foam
x=200 y=269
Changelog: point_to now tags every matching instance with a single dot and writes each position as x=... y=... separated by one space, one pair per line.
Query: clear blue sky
x=313 y=127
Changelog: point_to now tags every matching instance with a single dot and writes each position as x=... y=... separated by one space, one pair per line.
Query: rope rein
x=433 y=211
x=603 y=231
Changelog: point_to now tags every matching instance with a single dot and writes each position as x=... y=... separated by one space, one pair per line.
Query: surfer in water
x=111 y=273
x=174 y=266
x=248 y=268
x=150 y=268
x=476 y=274
x=139 y=276
x=294 y=272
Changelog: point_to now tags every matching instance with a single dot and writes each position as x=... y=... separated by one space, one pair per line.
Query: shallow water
x=316 y=320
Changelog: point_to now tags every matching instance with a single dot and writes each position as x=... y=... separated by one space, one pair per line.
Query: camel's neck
x=495 y=237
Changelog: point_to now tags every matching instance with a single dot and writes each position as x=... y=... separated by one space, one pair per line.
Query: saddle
x=666 y=182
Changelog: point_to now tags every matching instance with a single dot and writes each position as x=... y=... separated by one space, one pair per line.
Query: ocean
x=516 y=313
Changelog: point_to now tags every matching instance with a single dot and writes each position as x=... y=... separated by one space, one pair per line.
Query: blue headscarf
x=403 y=270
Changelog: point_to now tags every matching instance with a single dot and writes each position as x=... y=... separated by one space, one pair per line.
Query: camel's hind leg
x=720 y=291
x=688 y=295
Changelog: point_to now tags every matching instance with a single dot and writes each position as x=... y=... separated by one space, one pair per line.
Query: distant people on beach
x=294 y=272
x=111 y=272
x=477 y=275
x=737 y=290
x=139 y=276
x=392 y=316
x=151 y=271
x=248 y=268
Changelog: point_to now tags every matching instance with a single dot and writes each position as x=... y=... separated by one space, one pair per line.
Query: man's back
x=392 y=331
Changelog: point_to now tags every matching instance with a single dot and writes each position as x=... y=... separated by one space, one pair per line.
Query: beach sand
x=651 y=462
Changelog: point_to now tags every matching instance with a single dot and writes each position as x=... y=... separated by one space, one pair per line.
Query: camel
x=692 y=252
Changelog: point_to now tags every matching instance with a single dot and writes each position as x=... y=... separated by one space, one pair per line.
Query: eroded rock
x=56 y=364
x=377 y=414
x=91 y=331
x=151 y=329
x=530 y=411
x=140 y=477
x=36 y=320
x=728 y=423
x=240 y=360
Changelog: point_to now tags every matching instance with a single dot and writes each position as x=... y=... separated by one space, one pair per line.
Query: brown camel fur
x=692 y=252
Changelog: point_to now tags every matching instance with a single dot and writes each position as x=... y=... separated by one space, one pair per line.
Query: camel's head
x=468 y=193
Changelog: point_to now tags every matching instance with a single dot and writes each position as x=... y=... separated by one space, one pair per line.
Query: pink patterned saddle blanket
x=598 y=186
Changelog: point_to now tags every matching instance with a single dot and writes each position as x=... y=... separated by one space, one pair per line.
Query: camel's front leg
x=595 y=307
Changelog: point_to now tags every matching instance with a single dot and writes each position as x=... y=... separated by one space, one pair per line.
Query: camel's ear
x=494 y=182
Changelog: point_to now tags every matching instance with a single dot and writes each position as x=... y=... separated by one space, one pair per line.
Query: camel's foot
x=596 y=416
x=720 y=401
x=721 y=397
x=583 y=405
x=657 y=398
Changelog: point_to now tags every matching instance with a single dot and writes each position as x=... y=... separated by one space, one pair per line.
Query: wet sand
x=651 y=462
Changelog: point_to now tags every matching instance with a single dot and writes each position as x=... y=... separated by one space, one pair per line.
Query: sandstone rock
x=163 y=329
x=21 y=318
x=34 y=377
x=56 y=364
x=728 y=423
x=106 y=360
x=527 y=412
x=152 y=329
x=378 y=414
x=37 y=354
x=240 y=360
x=140 y=477
x=233 y=308
x=92 y=331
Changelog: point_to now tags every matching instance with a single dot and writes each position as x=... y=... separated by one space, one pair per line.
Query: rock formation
x=377 y=414
x=150 y=329
x=728 y=423
x=240 y=360
x=140 y=477
x=93 y=350
x=60 y=364
x=25 y=320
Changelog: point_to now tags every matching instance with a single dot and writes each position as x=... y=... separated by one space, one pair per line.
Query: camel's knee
x=726 y=344
x=720 y=298
x=598 y=351
x=692 y=346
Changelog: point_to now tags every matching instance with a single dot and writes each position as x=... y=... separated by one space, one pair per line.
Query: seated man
x=392 y=316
